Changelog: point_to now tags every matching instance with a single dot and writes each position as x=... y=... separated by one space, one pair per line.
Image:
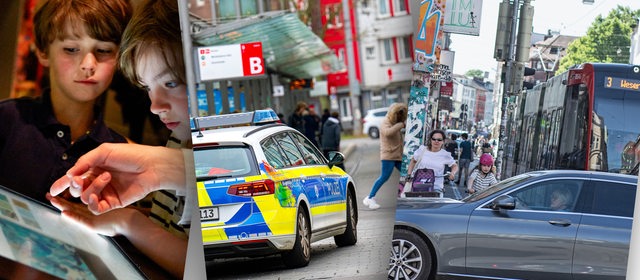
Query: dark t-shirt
x=452 y=147
x=36 y=150
x=466 y=150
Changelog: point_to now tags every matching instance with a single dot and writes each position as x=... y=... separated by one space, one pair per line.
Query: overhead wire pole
x=194 y=268
x=506 y=89
x=187 y=52
x=354 y=86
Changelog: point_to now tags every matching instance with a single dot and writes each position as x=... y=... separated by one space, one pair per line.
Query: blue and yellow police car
x=263 y=188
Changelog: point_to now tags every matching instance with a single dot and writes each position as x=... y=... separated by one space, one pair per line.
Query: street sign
x=230 y=61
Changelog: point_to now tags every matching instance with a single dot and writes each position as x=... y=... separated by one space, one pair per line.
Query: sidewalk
x=348 y=145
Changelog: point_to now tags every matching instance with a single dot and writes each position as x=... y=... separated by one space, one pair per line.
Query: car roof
x=583 y=173
x=378 y=109
x=240 y=134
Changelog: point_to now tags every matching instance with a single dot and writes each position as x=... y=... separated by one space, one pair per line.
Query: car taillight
x=257 y=188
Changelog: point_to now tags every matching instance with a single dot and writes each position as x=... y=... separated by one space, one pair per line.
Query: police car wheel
x=350 y=235
x=300 y=255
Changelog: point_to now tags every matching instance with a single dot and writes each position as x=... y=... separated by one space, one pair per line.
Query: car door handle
x=560 y=222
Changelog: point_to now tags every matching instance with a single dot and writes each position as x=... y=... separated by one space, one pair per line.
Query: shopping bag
x=407 y=186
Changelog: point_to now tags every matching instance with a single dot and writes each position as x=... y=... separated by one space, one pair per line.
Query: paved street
x=368 y=259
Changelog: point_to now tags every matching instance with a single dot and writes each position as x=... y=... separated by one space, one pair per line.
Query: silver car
x=372 y=121
x=539 y=225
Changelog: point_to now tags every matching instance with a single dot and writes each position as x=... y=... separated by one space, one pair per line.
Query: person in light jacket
x=391 y=145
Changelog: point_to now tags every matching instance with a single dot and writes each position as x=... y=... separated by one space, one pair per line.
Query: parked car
x=516 y=230
x=372 y=121
x=263 y=188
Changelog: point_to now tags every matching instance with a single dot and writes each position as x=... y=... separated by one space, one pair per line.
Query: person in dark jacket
x=331 y=136
x=296 y=120
x=311 y=125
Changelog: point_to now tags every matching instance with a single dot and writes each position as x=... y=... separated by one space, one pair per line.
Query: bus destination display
x=619 y=83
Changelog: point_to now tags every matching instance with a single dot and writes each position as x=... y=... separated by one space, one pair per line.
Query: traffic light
x=518 y=72
x=503 y=33
x=528 y=72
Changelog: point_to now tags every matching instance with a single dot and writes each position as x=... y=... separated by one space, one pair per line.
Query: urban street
x=368 y=259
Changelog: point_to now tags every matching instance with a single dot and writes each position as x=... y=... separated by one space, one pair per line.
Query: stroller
x=422 y=184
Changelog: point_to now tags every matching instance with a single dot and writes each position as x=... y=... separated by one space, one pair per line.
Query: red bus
x=587 y=118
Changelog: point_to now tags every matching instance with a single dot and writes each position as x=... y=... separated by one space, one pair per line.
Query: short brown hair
x=433 y=132
x=104 y=20
x=155 y=26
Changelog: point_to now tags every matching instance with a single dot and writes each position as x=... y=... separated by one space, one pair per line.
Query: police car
x=263 y=188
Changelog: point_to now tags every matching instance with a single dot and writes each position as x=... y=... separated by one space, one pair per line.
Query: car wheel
x=374 y=133
x=350 y=235
x=410 y=256
x=300 y=255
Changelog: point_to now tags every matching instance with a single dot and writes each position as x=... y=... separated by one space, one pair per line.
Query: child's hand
x=110 y=224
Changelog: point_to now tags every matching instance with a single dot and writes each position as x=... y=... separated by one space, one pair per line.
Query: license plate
x=209 y=214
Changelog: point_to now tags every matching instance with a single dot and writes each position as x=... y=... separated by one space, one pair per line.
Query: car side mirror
x=335 y=158
x=503 y=202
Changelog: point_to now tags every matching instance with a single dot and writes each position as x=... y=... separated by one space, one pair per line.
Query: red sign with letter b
x=252 y=61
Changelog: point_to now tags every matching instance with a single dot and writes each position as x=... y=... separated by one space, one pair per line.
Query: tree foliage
x=608 y=39
x=475 y=73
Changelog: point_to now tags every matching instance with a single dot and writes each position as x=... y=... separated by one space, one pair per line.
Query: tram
x=587 y=118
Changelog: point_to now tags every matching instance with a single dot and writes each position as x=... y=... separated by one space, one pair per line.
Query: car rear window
x=224 y=162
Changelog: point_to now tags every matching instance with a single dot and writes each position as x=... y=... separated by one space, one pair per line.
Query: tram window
x=574 y=131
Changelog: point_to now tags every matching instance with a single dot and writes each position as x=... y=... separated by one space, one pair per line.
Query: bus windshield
x=615 y=128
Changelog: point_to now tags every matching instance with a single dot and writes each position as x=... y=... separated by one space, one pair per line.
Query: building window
x=404 y=48
x=333 y=16
x=370 y=52
x=376 y=99
x=392 y=95
x=248 y=7
x=399 y=7
x=270 y=5
x=341 y=55
x=383 y=8
x=387 y=51
x=226 y=10
x=553 y=50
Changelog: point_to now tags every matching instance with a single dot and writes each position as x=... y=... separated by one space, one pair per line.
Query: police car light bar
x=250 y=118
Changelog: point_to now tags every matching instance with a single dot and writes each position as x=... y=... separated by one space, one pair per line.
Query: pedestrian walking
x=466 y=156
x=451 y=146
x=331 y=136
x=391 y=145
x=296 y=120
x=311 y=125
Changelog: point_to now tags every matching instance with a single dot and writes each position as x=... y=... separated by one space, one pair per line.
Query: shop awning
x=289 y=47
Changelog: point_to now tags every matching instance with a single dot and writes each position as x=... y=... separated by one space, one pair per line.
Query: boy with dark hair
x=40 y=138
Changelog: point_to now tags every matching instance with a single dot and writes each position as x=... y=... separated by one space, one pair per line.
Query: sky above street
x=569 y=17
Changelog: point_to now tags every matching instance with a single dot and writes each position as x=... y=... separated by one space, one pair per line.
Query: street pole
x=500 y=168
x=354 y=86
